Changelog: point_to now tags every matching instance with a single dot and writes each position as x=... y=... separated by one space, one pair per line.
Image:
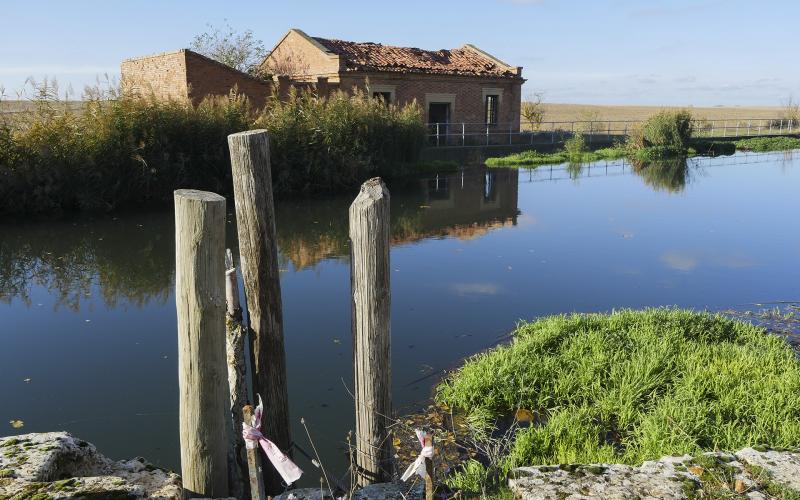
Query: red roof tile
x=368 y=56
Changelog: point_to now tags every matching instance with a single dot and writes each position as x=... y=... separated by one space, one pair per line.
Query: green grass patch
x=764 y=144
x=632 y=386
x=535 y=158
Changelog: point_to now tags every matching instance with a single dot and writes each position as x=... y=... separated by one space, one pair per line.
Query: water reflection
x=130 y=257
x=670 y=175
x=127 y=258
x=465 y=205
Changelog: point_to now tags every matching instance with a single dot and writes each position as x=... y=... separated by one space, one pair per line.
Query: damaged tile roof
x=368 y=56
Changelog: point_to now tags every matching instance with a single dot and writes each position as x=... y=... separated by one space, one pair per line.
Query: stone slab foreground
x=749 y=473
x=57 y=465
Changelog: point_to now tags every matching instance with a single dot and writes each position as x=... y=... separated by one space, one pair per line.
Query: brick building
x=464 y=85
x=183 y=74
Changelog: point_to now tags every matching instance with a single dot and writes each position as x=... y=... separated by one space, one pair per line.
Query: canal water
x=87 y=315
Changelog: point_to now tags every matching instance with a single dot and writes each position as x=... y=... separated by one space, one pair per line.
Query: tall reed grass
x=123 y=151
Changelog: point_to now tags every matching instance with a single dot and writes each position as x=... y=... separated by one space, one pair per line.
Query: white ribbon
x=418 y=465
x=253 y=437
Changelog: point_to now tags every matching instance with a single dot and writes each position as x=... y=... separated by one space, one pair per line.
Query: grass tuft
x=634 y=385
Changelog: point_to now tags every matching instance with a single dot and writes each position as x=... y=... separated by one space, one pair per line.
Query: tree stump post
x=200 y=305
x=237 y=384
x=258 y=256
x=369 y=264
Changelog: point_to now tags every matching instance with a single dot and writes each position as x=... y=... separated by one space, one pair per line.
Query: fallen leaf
x=524 y=415
x=17 y=424
x=696 y=470
x=739 y=486
x=396 y=442
x=26 y=380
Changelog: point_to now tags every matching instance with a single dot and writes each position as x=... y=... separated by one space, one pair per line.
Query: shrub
x=575 y=146
x=634 y=385
x=667 y=128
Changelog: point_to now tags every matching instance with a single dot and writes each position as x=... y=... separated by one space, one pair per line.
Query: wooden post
x=253 y=462
x=369 y=264
x=200 y=304
x=428 y=441
x=258 y=257
x=237 y=385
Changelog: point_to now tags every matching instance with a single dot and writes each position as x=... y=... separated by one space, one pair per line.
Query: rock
x=750 y=472
x=58 y=465
x=651 y=480
x=783 y=467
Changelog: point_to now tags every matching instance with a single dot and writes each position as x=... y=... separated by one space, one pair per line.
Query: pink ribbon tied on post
x=418 y=466
x=253 y=437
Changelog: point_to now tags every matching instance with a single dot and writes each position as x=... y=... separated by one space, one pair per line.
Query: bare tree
x=241 y=51
x=791 y=109
x=284 y=61
x=533 y=110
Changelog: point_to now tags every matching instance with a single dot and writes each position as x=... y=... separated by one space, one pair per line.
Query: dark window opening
x=492 y=102
x=385 y=96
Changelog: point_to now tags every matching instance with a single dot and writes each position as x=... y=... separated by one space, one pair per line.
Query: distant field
x=580 y=112
x=559 y=112
x=16 y=106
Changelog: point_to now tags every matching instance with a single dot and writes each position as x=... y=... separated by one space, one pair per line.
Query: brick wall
x=162 y=75
x=185 y=74
x=469 y=103
x=208 y=77
x=309 y=59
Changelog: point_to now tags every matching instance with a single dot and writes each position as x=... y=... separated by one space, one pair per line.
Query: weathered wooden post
x=258 y=257
x=369 y=264
x=200 y=304
x=237 y=384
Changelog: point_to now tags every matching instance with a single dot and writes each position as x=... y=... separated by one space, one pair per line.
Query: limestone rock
x=783 y=467
x=670 y=477
x=58 y=465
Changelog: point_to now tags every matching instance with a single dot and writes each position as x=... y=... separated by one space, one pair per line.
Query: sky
x=654 y=52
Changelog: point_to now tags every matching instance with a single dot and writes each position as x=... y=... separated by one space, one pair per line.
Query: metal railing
x=595 y=131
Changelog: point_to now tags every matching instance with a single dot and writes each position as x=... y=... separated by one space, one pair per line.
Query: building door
x=438 y=118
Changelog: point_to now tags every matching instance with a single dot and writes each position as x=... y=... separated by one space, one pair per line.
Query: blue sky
x=680 y=52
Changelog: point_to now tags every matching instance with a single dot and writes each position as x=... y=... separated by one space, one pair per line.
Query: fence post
x=463 y=134
x=256 y=481
x=591 y=131
x=258 y=257
x=200 y=306
x=237 y=384
x=369 y=264
x=437 y=133
x=487 y=134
